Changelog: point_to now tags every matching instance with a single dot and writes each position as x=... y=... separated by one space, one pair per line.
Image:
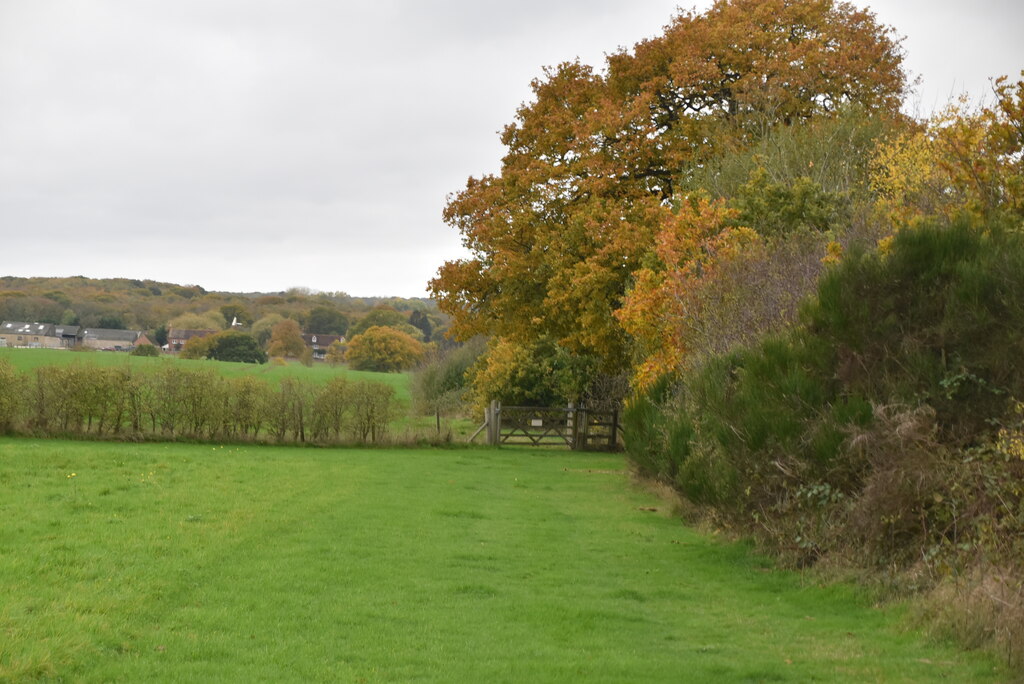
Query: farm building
x=37 y=335
x=110 y=339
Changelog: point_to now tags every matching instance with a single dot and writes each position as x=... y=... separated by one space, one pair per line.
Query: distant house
x=176 y=338
x=319 y=343
x=32 y=335
x=115 y=340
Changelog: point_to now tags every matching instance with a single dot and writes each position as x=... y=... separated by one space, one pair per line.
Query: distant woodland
x=150 y=305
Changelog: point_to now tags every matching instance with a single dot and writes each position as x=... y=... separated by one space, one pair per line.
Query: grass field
x=175 y=562
x=28 y=359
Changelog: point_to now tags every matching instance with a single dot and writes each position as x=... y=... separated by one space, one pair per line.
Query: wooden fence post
x=584 y=421
x=489 y=423
x=572 y=424
x=494 y=423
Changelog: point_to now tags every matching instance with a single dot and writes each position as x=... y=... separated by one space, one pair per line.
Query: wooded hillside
x=148 y=305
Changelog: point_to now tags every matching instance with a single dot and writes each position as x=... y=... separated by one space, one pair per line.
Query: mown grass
x=176 y=562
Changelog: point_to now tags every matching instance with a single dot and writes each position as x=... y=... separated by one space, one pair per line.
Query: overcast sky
x=257 y=145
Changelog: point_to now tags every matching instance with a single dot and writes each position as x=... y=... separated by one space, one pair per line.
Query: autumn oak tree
x=286 y=340
x=383 y=349
x=596 y=164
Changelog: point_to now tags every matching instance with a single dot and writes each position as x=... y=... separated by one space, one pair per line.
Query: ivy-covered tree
x=421 y=321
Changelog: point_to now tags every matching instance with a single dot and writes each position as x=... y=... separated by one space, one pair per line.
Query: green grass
x=175 y=562
x=318 y=373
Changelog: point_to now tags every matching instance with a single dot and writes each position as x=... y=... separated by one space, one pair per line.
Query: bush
x=440 y=385
x=11 y=389
x=145 y=350
x=235 y=346
x=383 y=349
x=374 y=407
x=330 y=411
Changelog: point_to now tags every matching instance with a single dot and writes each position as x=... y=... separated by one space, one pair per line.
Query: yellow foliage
x=833 y=253
x=496 y=369
x=961 y=160
x=1011 y=440
x=689 y=247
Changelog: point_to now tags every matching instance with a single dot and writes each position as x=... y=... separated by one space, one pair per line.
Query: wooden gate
x=574 y=427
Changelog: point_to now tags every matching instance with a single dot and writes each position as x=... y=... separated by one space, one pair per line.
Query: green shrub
x=645 y=424
x=235 y=346
x=441 y=383
x=373 y=408
x=145 y=350
x=11 y=389
x=178 y=402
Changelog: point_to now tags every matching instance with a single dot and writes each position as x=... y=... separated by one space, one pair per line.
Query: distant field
x=123 y=562
x=27 y=359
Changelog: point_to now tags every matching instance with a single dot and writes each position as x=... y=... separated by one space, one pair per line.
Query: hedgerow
x=195 y=404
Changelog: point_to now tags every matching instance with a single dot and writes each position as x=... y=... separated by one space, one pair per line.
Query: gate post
x=494 y=423
x=579 y=427
x=584 y=421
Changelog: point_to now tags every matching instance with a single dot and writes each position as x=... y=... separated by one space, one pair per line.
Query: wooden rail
x=574 y=427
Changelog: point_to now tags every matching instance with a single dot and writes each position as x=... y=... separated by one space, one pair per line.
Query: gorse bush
x=198 y=404
x=938 y=320
x=877 y=423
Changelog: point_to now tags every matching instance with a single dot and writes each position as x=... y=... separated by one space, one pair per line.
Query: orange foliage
x=593 y=162
x=689 y=248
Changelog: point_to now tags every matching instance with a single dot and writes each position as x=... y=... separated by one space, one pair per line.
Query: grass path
x=194 y=563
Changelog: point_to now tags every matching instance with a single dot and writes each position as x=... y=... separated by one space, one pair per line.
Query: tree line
x=121 y=303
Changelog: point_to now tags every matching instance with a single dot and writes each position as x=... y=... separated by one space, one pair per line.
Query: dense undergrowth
x=884 y=432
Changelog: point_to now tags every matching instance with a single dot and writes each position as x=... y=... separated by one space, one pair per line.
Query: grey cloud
x=313 y=142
